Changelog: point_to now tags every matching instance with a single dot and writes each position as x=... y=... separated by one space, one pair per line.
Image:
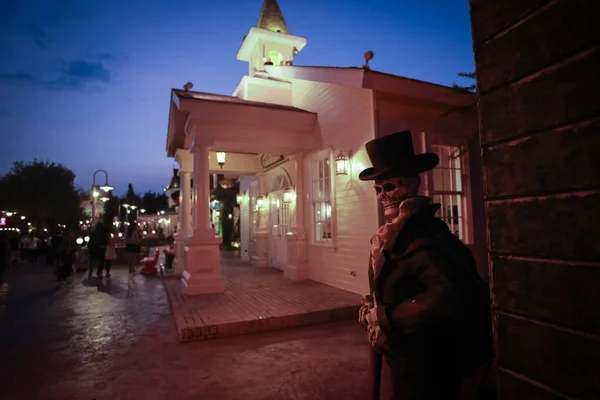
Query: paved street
x=116 y=340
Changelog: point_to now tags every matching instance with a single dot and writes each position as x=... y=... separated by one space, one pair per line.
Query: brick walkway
x=256 y=300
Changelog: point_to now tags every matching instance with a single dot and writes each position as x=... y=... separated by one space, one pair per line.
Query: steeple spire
x=271 y=18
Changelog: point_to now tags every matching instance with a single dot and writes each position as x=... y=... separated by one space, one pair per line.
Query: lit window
x=448 y=189
x=321 y=199
x=275 y=57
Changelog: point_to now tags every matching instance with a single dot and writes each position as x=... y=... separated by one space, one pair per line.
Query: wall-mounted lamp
x=342 y=163
x=221 y=158
x=288 y=196
x=238 y=198
x=260 y=201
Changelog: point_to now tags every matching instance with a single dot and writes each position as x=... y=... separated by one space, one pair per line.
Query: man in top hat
x=429 y=311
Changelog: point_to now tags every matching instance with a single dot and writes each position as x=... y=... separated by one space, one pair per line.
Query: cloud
x=114 y=58
x=38 y=35
x=79 y=74
x=73 y=75
x=39 y=21
x=106 y=57
x=22 y=77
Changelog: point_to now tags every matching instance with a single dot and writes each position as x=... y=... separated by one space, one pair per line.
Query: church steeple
x=271 y=18
x=269 y=42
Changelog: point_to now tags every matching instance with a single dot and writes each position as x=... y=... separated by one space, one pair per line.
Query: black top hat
x=393 y=156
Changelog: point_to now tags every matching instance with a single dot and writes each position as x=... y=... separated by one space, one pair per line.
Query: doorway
x=279 y=220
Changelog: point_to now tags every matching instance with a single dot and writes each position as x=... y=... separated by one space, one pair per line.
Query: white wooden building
x=281 y=132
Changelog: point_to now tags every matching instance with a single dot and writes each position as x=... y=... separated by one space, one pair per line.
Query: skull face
x=391 y=193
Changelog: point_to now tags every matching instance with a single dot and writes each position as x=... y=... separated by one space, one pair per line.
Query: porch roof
x=235 y=123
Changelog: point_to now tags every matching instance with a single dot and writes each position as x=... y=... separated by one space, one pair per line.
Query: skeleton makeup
x=393 y=191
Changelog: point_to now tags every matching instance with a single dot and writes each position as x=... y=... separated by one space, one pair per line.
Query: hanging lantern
x=260 y=201
x=238 y=198
x=342 y=163
x=288 y=196
x=221 y=158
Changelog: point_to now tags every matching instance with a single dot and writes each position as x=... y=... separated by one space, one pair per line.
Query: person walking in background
x=93 y=246
x=111 y=253
x=5 y=258
x=15 y=250
x=34 y=243
x=43 y=246
x=25 y=242
x=97 y=249
x=55 y=242
x=65 y=257
x=132 y=247
x=5 y=252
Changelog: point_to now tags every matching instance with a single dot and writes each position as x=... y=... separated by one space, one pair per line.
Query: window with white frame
x=321 y=199
x=449 y=191
x=285 y=218
x=280 y=217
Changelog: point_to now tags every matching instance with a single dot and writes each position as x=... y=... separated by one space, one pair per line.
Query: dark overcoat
x=433 y=310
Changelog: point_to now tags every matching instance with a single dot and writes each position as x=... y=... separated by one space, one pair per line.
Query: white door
x=279 y=225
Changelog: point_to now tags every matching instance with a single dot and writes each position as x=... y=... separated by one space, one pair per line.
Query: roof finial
x=368 y=57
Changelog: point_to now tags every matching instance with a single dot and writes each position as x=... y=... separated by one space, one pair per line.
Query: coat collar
x=385 y=239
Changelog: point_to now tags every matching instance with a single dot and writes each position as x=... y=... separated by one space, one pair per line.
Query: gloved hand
x=362 y=316
x=373 y=326
x=367 y=303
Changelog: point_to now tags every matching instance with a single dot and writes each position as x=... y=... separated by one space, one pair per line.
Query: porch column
x=202 y=257
x=186 y=201
x=246 y=224
x=261 y=234
x=297 y=266
x=186 y=161
x=184 y=210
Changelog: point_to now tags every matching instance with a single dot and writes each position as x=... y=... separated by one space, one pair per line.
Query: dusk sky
x=87 y=83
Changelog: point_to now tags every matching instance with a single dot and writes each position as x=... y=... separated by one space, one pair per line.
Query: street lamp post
x=95 y=193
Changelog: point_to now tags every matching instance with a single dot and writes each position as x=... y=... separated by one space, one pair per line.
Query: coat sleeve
x=434 y=304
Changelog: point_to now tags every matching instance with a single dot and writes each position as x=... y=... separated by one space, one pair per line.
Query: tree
x=463 y=148
x=154 y=202
x=132 y=199
x=471 y=88
x=43 y=192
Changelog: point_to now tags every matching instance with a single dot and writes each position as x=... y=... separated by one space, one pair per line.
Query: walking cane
x=375 y=364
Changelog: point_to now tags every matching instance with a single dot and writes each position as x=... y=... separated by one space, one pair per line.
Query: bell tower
x=270 y=41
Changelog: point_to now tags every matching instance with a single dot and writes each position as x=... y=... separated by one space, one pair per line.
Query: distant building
x=85 y=203
x=294 y=136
